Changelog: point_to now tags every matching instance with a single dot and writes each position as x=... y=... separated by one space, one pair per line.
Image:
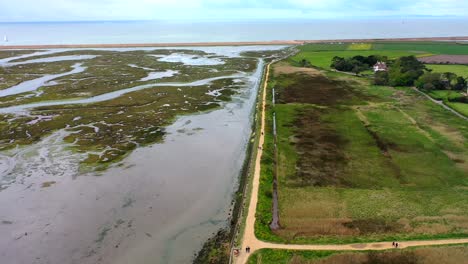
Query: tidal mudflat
x=133 y=158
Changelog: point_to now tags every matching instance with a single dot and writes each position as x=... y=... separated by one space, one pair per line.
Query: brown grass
x=320 y=148
x=286 y=68
x=318 y=90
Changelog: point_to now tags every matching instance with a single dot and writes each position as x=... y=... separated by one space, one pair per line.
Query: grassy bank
x=424 y=255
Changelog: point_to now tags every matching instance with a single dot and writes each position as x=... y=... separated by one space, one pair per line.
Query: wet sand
x=245 y=43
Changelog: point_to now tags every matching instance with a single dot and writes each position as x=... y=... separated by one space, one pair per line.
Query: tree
x=355 y=64
x=461 y=84
x=405 y=71
x=381 y=78
x=431 y=81
x=304 y=63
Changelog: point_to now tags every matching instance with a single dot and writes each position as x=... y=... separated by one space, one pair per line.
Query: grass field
x=459 y=107
x=445 y=95
x=426 y=255
x=360 y=46
x=322 y=59
x=358 y=162
x=460 y=70
x=424 y=47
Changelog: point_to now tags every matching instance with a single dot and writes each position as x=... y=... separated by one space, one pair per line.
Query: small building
x=380 y=66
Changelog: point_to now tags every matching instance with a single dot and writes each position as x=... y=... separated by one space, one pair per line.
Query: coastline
x=240 y=43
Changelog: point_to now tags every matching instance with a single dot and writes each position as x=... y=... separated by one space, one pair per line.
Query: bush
x=405 y=71
x=381 y=78
x=356 y=64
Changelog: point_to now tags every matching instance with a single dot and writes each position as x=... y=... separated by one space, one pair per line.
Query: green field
x=462 y=108
x=322 y=59
x=358 y=162
x=320 y=55
x=445 y=95
x=425 y=255
x=448 y=48
x=459 y=70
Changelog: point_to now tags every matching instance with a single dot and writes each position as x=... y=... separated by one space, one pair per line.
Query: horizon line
x=234 y=43
x=403 y=17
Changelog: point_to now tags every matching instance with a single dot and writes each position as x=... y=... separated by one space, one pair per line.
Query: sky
x=92 y=10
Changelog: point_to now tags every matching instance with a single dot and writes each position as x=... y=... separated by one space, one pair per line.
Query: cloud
x=50 y=10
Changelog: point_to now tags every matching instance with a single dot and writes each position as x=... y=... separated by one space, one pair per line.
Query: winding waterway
x=33 y=85
x=158 y=206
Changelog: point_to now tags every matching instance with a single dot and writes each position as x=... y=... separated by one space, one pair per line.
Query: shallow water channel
x=158 y=206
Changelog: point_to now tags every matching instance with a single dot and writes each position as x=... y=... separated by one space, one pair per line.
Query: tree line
x=404 y=71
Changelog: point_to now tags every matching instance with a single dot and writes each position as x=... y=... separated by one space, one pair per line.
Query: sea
x=125 y=32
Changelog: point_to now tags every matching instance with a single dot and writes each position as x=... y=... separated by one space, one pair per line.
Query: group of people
x=395 y=244
x=237 y=251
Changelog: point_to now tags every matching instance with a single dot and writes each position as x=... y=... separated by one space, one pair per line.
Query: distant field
x=446 y=59
x=428 y=255
x=323 y=59
x=460 y=70
x=320 y=55
x=425 y=47
x=448 y=48
x=360 y=46
x=358 y=162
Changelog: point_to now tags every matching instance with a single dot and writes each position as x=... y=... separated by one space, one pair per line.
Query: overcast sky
x=75 y=10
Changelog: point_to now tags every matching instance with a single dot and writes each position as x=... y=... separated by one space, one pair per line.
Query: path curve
x=250 y=240
x=441 y=103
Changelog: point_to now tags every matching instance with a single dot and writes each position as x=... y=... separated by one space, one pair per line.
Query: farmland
x=358 y=162
x=460 y=70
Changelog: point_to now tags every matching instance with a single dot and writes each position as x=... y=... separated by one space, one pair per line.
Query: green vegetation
x=359 y=162
x=405 y=71
x=423 y=255
x=322 y=59
x=459 y=107
x=460 y=70
x=445 y=81
x=445 y=95
x=356 y=64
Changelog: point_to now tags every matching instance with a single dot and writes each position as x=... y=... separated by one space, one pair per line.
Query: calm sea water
x=160 y=32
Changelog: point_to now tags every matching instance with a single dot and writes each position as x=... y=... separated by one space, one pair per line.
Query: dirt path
x=250 y=240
